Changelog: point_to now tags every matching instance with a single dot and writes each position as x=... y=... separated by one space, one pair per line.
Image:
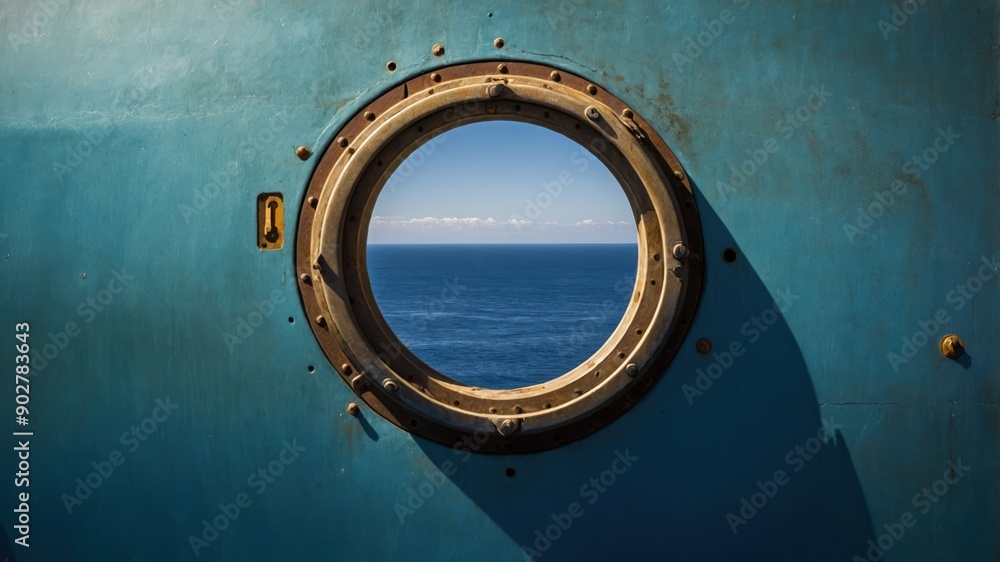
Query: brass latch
x=270 y=221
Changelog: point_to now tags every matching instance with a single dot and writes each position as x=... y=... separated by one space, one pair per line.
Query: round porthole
x=331 y=259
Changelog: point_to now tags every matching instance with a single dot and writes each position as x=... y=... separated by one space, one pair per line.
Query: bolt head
x=681 y=251
x=435 y=77
x=703 y=345
x=555 y=76
x=303 y=153
x=498 y=42
x=306 y=278
x=390 y=385
x=312 y=202
x=952 y=346
x=438 y=50
x=591 y=89
x=342 y=141
x=632 y=370
x=502 y=68
x=353 y=409
x=494 y=90
x=369 y=116
x=678 y=272
x=593 y=114
x=507 y=427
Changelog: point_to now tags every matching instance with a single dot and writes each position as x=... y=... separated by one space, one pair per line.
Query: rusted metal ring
x=396 y=383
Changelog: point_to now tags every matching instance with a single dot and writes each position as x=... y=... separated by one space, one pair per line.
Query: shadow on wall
x=726 y=459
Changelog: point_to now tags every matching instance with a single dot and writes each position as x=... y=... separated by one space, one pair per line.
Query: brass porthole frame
x=331 y=243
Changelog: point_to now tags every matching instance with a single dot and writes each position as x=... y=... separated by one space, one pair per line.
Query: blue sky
x=501 y=182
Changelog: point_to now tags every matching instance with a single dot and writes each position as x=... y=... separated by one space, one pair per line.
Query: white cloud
x=468 y=223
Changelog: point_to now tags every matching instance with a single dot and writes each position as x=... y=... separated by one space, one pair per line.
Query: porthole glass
x=502 y=254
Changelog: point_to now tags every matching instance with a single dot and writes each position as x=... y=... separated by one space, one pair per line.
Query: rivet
x=555 y=76
x=320 y=320
x=952 y=346
x=502 y=68
x=312 y=201
x=343 y=142
x=306 y=278
x=353 y=409
x=435 y=77
x=347 y=369
x=591 y=89
x=498 y=42
x=390 y=385
x=679 y=174
x=494 y=90
x=632 y=370
x=703 y=346
x=507 y=427
x=369 y=116
x=438 y=50
x=681 y=251
x=627 y=113
x=678 y=272
x=316 y=266
x=593 y=114
x=303 y=153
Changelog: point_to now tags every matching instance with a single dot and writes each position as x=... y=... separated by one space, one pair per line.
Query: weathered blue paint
x=168 y=93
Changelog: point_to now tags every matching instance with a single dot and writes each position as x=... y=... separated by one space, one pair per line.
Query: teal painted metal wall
x=136 y=137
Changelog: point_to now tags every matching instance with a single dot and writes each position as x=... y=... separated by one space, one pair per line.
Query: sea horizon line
x=503 y=244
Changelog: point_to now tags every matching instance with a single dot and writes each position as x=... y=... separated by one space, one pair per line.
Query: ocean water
x=502 y=316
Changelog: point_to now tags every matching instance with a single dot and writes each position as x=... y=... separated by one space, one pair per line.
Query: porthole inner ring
x=332 y=243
